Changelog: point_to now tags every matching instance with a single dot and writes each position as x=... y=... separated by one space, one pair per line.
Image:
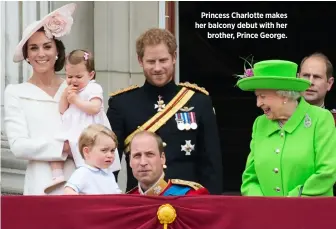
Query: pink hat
x=56 y=24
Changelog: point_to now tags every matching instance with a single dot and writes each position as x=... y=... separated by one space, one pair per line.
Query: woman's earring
x=27 y=60
x=56 y=58
x=164 y=166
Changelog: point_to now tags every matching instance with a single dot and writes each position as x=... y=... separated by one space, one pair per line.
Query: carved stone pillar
x=116 y=28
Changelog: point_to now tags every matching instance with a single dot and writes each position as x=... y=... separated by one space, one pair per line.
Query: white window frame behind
x=162 y=25
x=2 y=47
x=162 y=14
x=177 y=35
x=29 y=15
x=2 y=56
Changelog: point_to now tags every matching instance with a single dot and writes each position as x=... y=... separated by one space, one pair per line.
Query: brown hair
x=155 y=36
x=89 y=136
x=82 y=56
x=327 y=62
x=59 y=64
x=157 y=138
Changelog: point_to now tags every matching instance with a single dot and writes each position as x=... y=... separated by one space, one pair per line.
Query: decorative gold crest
x=194 y=86
x=166 y=215
x=120 y=91
x=157 y=189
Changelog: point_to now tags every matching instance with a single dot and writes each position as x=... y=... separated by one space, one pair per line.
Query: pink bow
x=86 y=56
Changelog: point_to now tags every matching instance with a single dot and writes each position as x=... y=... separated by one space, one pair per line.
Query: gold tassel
x=166 y=215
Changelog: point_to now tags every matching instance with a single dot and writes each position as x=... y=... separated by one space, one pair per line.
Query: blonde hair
x=89 y=136
x=155 y=36
x=82 y=56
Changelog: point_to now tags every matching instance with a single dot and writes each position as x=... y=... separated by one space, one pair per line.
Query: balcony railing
x=184 y=212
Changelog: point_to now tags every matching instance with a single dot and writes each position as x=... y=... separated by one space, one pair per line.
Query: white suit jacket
x=31 y=122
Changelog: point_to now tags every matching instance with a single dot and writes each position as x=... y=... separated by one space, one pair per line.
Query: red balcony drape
x=140 y=212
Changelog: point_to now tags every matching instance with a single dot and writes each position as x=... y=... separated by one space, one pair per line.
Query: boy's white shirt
x=93 y=181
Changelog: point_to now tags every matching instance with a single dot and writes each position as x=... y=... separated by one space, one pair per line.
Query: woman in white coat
x=32 y=118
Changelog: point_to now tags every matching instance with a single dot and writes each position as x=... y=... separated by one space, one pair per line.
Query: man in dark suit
x=318 y=69
x=181 y=114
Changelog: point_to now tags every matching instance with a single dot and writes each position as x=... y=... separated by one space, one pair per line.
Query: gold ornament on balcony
x=166 y=215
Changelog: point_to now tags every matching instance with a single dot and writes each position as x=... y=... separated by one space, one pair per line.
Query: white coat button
x=277 y=151
x=277 y=189
x=282 y=134
x=276 y=170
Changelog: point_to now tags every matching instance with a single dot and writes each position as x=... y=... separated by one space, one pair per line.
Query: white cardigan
x=31 y=122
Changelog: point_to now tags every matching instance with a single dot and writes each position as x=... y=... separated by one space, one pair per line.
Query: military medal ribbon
x=193 y=120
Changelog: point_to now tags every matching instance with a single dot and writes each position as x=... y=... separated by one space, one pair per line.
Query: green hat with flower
x=272 y=74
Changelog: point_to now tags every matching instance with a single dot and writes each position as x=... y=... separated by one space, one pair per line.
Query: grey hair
x=292 y=95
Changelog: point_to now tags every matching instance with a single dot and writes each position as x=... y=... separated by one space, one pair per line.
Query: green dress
x=299 y=158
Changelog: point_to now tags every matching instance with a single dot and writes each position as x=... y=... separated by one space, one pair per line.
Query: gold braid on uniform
x=120 y=91
x=194 y=86
x=191 y=184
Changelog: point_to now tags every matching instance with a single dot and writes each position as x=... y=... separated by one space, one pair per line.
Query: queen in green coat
x=293 y=146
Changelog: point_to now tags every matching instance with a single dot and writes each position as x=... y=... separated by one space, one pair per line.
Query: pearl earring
x=27 y=60
x=164 y=166
x=56 y=58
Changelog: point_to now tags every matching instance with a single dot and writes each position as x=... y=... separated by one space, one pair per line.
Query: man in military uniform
x=182 y=115
x=147 y=160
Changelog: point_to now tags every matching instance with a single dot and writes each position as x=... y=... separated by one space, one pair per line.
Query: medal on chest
x=186 y=121
x=160 y=104
x=188 y=147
